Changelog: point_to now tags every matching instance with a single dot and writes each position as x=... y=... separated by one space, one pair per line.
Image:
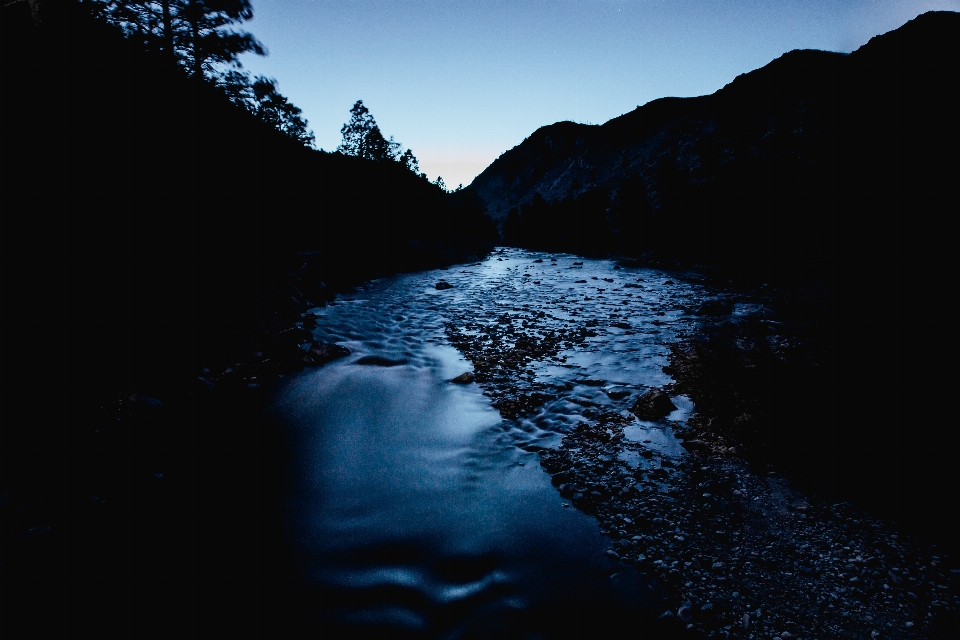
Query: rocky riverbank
x=746 y=554
x=749 y=542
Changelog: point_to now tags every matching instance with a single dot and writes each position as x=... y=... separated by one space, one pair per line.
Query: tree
x=212 y=41
x=260 y=97
x=199 y=35
x=362 y=138
x=274 y=108
x=410 y=161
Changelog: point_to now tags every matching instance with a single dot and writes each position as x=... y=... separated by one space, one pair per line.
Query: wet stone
x=322 y=352
x=653 y=405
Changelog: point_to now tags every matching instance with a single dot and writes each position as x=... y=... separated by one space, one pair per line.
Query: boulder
x=322 y=352
x=653 y=405
x=443 y=284
x=464 y=378
x=715 y=307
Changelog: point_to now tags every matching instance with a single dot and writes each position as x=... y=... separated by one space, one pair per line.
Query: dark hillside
x=134 y=195
x=781 y=171
x=833 y=179
x=150 y=227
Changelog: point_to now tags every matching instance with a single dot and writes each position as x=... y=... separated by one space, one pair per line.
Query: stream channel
x=420 y=511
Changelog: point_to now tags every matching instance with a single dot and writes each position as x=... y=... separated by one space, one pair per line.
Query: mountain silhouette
x=786 y=167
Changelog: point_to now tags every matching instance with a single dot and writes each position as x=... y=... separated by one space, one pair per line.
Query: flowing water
x=418 y=509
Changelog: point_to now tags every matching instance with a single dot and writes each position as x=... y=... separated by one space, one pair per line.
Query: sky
x=461 y=81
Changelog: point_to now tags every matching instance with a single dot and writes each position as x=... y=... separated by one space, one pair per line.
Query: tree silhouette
x=260 y=97
x=274 y=108
x=363 y=138
x=211 y=39
x=410 y=161
x=198 y=34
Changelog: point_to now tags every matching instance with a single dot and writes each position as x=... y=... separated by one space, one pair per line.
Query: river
x=418 y=509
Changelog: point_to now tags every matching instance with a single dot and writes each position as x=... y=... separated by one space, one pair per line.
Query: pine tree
x=200 y=35
x=274 y=108
x=363 y=138
x=260 y=97
x=212 y=40
x=410 y=161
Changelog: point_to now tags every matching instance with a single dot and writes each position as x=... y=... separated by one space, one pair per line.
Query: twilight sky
x=461 y=81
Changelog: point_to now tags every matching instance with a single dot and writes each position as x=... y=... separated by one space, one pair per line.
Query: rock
x=715 y=307
x=443 y=284
x=685 y=613
x=653 y=405
x=622 y=325
x=618 y=394
x=464 y=378
x=593 y=383
x=322 y=352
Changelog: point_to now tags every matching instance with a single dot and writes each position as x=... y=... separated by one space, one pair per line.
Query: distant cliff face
x=699 y=176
